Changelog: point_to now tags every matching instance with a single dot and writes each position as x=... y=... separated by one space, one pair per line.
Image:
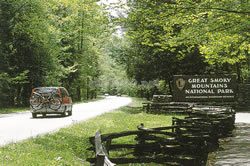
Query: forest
x=73 y=43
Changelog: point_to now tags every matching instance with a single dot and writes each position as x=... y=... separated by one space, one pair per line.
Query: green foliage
x=186 y=37
x=25 y=49
x=49 y=43
x=114 y=79
x=78 y=27
x=69 y=43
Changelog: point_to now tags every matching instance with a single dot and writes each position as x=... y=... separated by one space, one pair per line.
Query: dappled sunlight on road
x=235 y=151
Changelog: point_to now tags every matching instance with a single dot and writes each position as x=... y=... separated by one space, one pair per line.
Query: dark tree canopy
x=49 y=43
x=187 y=37
x=71 y=43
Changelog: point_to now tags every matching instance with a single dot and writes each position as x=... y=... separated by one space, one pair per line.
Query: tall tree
x=25 y=47
x=206 y=35
x=81 y=25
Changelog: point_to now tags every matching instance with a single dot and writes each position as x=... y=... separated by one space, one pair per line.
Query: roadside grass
x=13 y=110
x=68 y=146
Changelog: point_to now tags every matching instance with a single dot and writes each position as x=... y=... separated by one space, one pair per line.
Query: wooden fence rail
x=187 y=142
x=101 y=153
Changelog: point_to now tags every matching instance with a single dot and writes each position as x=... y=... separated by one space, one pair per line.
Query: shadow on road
x=235 y=151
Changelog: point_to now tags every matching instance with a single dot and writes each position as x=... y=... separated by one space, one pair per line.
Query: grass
x=13 y=110
x=68 y=146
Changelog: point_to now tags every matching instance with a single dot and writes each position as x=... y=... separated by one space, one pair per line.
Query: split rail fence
x=187 y=142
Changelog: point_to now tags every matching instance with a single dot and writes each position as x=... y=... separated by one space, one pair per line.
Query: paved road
x=235 y=152
x=242 y=117
x=20 y=126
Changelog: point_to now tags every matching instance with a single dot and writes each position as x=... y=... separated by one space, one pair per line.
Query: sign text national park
x=204 y=88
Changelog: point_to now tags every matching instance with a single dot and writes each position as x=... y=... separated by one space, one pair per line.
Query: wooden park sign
x=204 y=88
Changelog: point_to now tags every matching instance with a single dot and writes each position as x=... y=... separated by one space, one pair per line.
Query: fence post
x=100 y=156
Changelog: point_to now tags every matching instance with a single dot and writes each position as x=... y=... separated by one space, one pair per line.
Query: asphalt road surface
x=20 y=126
x=242 y=117
x=235 y=151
